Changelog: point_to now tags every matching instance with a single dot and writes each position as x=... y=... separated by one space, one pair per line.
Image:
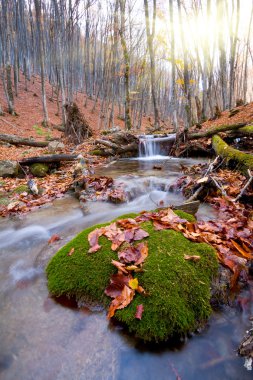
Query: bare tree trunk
x=37 y=4
x=173 y=105
x=186 y=84
x=233 y=42
x=150 y=41
x=128 y=123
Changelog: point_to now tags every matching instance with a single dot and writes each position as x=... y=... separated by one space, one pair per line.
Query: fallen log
x=243 y=132
x=243 y=161
x=48 y=159
x=106 y=143
x=15 y=140
x=213 y=131
x=120 y=143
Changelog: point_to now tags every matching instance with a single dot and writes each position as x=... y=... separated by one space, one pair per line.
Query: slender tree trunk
x=234 y=39
x=37 y=4
x=150 y=41
x=128 y=123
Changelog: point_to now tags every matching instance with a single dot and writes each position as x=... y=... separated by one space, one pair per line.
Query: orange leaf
x=119 y=266
x=53 y=239
x=121 y=301
x=241 y=250
x=71 y=252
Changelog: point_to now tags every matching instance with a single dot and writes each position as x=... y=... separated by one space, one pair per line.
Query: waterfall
x=154 y=145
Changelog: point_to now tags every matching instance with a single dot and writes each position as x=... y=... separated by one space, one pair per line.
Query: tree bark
x=150 y=41
x=37 y=4
x=126 y=64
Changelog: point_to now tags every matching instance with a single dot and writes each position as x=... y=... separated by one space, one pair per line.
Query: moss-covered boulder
x=39 y=170
x=178 y=290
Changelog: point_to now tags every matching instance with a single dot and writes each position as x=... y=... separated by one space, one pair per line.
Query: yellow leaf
x=180 y=81
x=133 y=283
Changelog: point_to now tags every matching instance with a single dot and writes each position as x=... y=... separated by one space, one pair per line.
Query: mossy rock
x=39 y=170
x=99 y=152
x=179 y=290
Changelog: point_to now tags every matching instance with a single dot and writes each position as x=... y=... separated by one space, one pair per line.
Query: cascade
x=153 y=145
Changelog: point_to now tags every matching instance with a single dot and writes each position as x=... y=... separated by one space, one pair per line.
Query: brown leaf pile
x=122 y=285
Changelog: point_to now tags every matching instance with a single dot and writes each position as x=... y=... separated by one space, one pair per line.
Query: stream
x=45 y=340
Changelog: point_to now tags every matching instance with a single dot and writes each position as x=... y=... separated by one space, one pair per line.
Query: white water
x=153 y=147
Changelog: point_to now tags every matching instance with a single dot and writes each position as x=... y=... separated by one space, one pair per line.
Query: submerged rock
x=177 y=291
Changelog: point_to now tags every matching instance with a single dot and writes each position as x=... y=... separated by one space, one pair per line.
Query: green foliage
x=178 y=290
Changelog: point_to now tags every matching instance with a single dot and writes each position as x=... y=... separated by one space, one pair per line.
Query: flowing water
x=43 y=340
x=155 y=146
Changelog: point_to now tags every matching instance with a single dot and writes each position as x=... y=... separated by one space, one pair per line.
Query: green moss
x=179 y=290
x=186 y=216
x=243 y=160
x=20 y=189
x=99 y=152
x=39 y=170
x=4 y=201
x=248 y=130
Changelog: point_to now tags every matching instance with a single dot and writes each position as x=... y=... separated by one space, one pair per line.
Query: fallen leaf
x=93 y=240
x=133 y=283
x=143 y=249
x=117 y=283
x=242 y=251
x=119 y=266
x=121 y=301
x=139 y=311
x=53 y=239
x=129 y=255
x=140 y=234
x=71 y=252
x=192 y=258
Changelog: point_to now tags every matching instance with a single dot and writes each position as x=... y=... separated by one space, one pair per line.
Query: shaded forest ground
x=28 y=123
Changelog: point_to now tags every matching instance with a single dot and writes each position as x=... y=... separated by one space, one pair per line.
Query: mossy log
x=15 y=140
x=178 y=291
x=241 y=160
x=213 y=131
x=245 y=131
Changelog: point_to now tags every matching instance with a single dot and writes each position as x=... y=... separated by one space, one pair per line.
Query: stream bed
x=43 y=340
